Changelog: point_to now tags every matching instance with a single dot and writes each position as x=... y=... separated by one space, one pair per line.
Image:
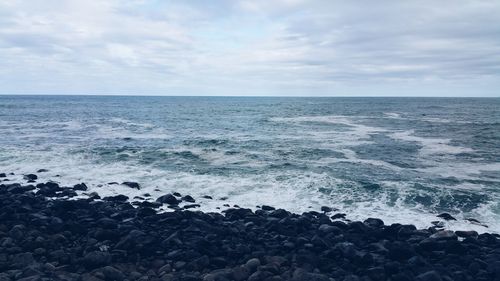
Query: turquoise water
x=401 y=159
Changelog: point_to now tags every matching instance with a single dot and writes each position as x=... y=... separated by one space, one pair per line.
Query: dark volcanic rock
x=31 y=177
x=447 y=217
x=80 y=186
x=267 y=208
x=429 y=276
x=96 y=259
x=188 y=198
x=168 y=199
x=326 y=209
x=466 y=234
x=116 y=198
x=3 y=175
x=86 y=239
x=132 y=184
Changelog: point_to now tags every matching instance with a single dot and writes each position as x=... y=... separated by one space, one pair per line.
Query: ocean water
x=400 y=159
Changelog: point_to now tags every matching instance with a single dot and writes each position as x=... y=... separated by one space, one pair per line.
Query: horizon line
x=245 y=96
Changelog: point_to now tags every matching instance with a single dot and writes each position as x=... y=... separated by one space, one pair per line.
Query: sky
x=251 y=47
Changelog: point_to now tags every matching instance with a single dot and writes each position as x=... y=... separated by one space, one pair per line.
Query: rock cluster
x=91 y=239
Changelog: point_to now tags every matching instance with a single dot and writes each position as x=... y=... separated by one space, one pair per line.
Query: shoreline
x=113 y=239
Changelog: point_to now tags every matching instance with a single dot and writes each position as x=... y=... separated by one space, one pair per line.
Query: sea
x=404 y=160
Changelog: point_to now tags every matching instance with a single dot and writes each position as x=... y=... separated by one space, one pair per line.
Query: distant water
x=401 y=159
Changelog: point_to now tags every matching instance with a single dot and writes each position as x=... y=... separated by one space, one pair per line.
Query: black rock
x=132 y=184
x=3 y=175
x=326 y=209
x=338 y=216
x=116 y=198
x=429 y=276
x=190 y=206
x=267 y=208
x=23 y=260
x=96 y=259
x=373 y=222
x=30 y=177
x=444 y=235
x=466 y=234
x=111 y=273
x=42 y=171
x=252 y=264
x=326 y=229
x=176 y=194
x=447 y=217
x=168 y=199
x=80 y=186
x=188 y=198
x=207 y=197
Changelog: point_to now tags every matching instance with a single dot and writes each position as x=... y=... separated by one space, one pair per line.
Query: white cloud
x=250 y=47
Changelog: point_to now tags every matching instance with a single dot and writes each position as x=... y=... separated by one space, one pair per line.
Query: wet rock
x=429 y=276
x=96 y=259
x=444 y=234
x=326 y=209
x=168 y=199
x=373 y=222
x=267 y=208
x=302 y=275
x=94 y=195
x=23 y=260
x=3 y=175
x=112 y=274
x=259 y=275
x=132 y=184
x=207 y=197
x=252 y=264
x=466 y=234
x=438 y=224
x=50 y=239
x=80 y=186
x=191 y=206
x=240 y=273
x=116 y=198
x=338 y=216
x=447 y=217
x=42 y=171
x=188 y=198
x=31 y=177
x=327 y=229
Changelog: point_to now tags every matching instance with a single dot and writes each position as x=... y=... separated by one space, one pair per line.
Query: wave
x=431 y=146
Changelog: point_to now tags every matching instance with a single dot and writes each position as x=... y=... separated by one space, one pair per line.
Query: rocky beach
x=51 y=232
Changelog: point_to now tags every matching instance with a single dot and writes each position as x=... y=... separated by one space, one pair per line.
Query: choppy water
x=401 y=159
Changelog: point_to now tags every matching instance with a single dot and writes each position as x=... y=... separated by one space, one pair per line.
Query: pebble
x=112 y=239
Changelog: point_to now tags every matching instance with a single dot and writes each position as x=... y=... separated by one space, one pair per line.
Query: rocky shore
x=47 y=234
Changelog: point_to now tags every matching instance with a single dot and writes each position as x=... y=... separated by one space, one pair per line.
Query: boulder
x=30 y=177
x=447 y=217
x=132 y=184
x=80 y=186
x=168 y=199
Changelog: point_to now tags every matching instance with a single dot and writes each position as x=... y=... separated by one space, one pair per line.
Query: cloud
x=280 y=47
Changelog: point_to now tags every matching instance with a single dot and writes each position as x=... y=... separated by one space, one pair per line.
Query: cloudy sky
x=251 y=47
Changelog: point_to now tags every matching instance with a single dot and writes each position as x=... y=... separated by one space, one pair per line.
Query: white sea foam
x=469 y=171
x=430 y=146
x=290 y=190
x=114 y=132
x=131 y=123
x=392 y=115
x=355 y=133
